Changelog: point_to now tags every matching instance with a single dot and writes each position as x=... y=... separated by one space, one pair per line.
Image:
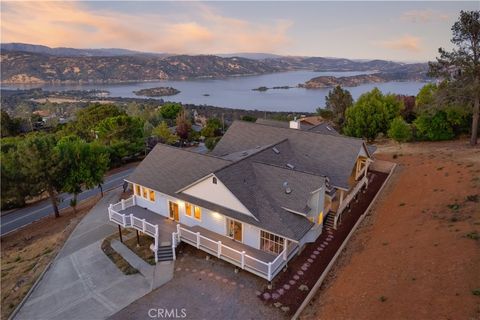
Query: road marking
x=69 y=197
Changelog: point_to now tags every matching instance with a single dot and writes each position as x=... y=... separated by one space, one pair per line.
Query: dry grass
x=27 y=252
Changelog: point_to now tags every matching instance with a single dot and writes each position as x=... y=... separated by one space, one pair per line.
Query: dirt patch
x=116 y=258
x=26 y=253
x=417 y=255
x=292 y=286
x=143 y=249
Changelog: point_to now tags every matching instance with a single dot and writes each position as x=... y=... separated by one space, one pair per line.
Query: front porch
x=167 y=232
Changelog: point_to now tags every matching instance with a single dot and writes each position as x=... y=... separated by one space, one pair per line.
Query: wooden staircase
x=330 y=220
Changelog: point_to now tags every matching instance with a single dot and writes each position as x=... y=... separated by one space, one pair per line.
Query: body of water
x=236 y=92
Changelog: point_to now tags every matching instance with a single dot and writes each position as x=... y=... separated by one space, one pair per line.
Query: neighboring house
x=255 y=201
x=305 y=124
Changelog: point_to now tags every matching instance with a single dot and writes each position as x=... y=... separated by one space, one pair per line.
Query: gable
x=216 y=193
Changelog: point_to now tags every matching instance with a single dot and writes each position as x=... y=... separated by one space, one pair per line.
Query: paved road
x=22 y=217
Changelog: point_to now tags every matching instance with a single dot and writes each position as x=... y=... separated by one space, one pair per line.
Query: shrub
x=211 y=142
x=434 y=127
x=400 y=130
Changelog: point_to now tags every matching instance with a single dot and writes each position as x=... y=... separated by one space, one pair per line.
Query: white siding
x=216 y=193
x=210 y=220
x=251 y=236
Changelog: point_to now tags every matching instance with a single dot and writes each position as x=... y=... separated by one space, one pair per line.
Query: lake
x=236 y=92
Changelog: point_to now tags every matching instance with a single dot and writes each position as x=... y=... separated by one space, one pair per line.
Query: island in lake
x=157 y=92
x=263 y=88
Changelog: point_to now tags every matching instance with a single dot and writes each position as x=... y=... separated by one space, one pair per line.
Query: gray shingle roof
x=323 y=128
x=168 y=169
x=328 y=155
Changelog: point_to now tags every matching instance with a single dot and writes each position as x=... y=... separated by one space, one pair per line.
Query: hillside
x=24 y=67
x=25 y=63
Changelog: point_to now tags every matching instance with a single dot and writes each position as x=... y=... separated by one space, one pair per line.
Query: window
x=214 y=180
x=188 y=209
x=152 y=195
x=197 y=213
x=144 y=192
x=270 y=242
x=137 y=190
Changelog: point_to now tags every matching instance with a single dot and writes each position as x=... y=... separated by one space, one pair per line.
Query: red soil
x=417 y=256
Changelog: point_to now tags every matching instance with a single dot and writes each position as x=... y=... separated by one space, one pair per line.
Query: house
x=310 y=125
x=255 y=201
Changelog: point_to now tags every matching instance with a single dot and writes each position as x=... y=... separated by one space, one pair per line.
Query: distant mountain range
x=26 y=63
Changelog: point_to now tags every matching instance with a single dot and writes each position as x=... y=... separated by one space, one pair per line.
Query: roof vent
x=290 y=166
x=276 y=150
x=257 y=147
x=244 y=153
x=288 y=190
x=329 y=129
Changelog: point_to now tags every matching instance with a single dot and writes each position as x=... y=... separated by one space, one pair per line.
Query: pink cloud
x=72 y=24
x=405 y=43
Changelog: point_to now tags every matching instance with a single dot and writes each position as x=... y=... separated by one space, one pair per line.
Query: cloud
x=405 y=43
x=198 y=29
x=424 y=16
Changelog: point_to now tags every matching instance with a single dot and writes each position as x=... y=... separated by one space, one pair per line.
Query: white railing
x=130 y=221
x=266 y=270
x=350 y=196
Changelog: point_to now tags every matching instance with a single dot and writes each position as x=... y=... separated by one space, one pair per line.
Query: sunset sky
x=405 y=31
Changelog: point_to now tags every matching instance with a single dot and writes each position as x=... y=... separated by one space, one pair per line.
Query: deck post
x=219 y=251
x=123 y=204
x=143 y=225
x=124 y=220
x=198 y=240
x=134 y=201
x=173 y=246
x=243 y=259
x=178 y=232
x=120 y=233
x=285 y=249
x=269 y=275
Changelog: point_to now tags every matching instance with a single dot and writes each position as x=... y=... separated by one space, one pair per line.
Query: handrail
x=243 y=260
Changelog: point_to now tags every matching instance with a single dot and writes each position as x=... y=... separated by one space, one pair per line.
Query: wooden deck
x=167 y=226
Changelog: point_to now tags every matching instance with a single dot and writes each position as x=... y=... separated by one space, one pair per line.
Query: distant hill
x=25 y=63
x=250 y=55
x=71 y=52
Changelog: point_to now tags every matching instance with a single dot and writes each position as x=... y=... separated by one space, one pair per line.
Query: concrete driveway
x=82 y=283
x=202 y=289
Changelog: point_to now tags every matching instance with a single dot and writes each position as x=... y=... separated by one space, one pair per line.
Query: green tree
x=338 y=101
x=88 y=118
x=434 y=126
x=40 y=164
x=249 y=118
x=9 y=126
x=164 y=135
x=371 y=114
x=213 y=128
x=170 y=110
x=147 y=129
x=122 y=135
x=324 y=113
x=85 y=165
x=426 y=97
x=15 y=186
x=461 y=66
x=211 y=142
x=400 y=130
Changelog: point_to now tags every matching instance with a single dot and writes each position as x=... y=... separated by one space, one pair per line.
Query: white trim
x=295 y=212
x=195 y=182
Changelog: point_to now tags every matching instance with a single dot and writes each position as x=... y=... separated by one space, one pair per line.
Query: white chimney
x=295 y=124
